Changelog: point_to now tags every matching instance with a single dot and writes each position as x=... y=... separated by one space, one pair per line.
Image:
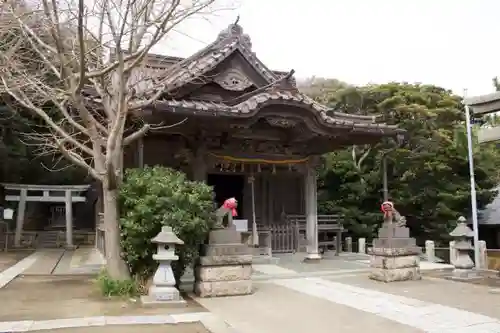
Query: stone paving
x=430 y=305
x=46 y=262
x=428 y=317
x=463 y=296
x=177 y=328
x=277 y=309
x=209 y=321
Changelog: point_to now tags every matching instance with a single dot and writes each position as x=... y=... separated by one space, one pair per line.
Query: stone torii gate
x=23 y=193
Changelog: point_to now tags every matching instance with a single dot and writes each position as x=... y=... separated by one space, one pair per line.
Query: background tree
x=496 y=84
x=428 y=176
x=87 y=78
x=20 y=161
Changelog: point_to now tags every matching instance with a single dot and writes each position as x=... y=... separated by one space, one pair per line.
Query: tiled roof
x=256 y=102
x=180 y=72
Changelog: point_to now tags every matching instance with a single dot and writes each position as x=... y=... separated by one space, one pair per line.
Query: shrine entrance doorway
x=228 y=186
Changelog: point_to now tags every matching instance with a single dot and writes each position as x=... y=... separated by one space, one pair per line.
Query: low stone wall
x=32 y=239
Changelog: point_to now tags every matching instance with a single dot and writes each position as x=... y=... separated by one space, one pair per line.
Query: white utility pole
x=475 y=226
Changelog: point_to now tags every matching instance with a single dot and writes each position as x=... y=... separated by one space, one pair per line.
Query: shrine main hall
x=246 y=130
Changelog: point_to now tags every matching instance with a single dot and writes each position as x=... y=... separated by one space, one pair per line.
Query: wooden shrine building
x=240 y=121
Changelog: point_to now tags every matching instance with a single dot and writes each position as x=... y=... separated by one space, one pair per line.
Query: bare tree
x=78 y=66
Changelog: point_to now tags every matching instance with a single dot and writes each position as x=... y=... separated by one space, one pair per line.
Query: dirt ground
x=7 y=259
x=179 y=328
x=55 y=297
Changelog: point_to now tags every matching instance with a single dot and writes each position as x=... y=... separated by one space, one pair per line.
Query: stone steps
x=49 y=239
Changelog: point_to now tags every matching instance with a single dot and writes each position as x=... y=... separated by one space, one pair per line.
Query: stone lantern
x=464 y=265
x=163 y=288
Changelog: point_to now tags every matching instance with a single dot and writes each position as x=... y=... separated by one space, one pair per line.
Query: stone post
x=21 y=209
x=348 y=243
x=430 y=252
x=453 y=253
x=68 y=201
x=483 y=256
x=362 y=245
x=463 y=263
x=163 y=289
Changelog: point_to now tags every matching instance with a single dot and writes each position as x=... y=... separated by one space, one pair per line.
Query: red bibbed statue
x=228 y=209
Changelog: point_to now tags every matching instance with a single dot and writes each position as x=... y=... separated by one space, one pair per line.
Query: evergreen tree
x=428 y=175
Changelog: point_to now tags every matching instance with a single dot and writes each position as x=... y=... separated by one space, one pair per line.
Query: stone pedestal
x=225 y=266
x=394 y=255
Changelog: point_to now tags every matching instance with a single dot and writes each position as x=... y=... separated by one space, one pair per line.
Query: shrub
x=155 y=196
x=112 y=287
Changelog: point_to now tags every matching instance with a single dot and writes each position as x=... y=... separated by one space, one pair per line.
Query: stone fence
x=489 y=258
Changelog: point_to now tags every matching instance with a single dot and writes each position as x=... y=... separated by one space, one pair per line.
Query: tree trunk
x=116 y=266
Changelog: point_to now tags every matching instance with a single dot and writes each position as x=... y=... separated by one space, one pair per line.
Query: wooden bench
x=330 y=230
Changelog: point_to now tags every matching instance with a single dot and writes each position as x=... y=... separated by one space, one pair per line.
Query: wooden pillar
x=68 y=200
x=21 y=209
x=200 y=165
x=311 y=197
x=140 y=153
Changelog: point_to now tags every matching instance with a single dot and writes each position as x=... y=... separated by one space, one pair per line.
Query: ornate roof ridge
x=228 y=41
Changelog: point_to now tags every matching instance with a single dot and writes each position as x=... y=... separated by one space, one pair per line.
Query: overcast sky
x=451 y=43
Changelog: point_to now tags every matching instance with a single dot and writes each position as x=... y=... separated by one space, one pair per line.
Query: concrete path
x=276 y=309
x=83 y=260
x=10 y=273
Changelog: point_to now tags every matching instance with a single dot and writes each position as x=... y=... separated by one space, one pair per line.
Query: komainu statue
x=228 y=209
x=391 y=215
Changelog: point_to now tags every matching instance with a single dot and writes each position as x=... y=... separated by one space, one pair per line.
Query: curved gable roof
x=230 y=40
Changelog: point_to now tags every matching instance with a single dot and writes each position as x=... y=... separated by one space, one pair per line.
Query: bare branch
x=76 y=65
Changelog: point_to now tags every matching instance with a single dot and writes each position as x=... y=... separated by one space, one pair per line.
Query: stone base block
x=390 y=268
x=225 y=260
x=396 y=274
x=223 y=273
x=150 y=301
x=222 y=288
x=224 y=236
x=164 y=294
x=265 y=260
x=394 y=251
x=464 y=275
x=215 y=250
x=312 y=257
x=394 y=262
